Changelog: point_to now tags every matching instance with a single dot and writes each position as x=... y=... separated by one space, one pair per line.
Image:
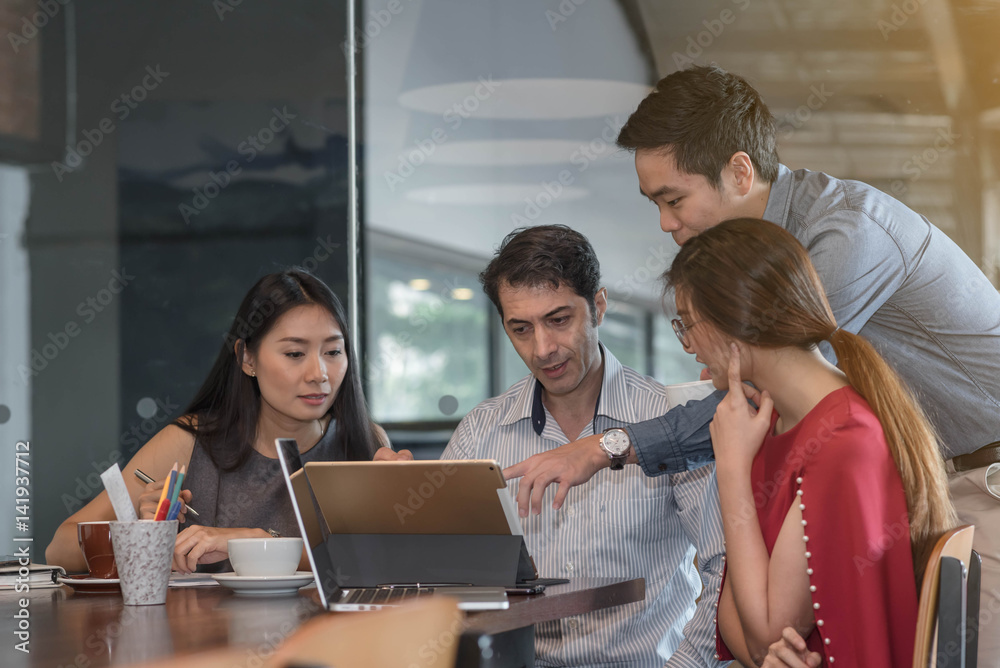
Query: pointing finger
x=515 y=471
x=766 y=405
x=751 y=393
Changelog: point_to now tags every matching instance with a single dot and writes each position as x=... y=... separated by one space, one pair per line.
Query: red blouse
x=835 y=463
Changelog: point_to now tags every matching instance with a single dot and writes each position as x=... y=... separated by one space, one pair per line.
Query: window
x=428 y=343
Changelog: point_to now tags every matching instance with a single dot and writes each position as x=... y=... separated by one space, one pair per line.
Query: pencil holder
x=144 y=552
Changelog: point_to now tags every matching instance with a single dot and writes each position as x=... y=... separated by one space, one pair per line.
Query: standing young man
x=545 y=283
x=705 y=151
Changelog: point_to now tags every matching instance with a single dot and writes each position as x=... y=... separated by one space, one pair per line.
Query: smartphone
x=525 y=590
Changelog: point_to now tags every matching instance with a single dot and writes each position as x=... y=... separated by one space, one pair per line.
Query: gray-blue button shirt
x=897 y=280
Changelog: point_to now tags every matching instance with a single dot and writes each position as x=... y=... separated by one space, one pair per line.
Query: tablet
x=413 y=497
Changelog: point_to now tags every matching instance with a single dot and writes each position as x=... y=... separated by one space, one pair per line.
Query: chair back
x=955 y=544
x=424 y=632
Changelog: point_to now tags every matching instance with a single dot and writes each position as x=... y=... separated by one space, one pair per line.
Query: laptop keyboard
x=386 y=596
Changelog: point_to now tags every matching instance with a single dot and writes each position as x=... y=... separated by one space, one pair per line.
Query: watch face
x=616 y=441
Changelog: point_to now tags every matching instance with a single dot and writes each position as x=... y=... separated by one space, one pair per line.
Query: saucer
x=84 y=584
x=264 y=585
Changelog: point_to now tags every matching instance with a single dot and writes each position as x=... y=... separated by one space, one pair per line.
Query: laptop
x=316 y=531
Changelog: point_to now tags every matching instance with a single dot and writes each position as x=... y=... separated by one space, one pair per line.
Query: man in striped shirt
x=545 y=282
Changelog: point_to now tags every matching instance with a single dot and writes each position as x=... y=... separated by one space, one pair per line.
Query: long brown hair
x=755 y=283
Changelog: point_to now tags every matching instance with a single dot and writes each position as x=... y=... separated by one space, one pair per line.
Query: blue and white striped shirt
x=620 y=524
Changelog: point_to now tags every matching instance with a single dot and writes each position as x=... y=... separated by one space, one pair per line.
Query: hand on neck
x=796 y=379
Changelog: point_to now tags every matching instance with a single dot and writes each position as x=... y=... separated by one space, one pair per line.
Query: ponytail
x=753 y=281
x=911 y=441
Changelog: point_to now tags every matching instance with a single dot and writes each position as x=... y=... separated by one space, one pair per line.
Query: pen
x=146 y=479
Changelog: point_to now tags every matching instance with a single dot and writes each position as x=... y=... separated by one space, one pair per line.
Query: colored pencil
x=176 y=489
x=175 y=502
x=164 y=505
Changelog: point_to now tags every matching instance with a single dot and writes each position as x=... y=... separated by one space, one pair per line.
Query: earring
x=253 y=373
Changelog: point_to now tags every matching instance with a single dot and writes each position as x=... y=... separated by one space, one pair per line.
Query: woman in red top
x=834 y=490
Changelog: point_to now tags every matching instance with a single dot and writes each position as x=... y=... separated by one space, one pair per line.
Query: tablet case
x=427 y=522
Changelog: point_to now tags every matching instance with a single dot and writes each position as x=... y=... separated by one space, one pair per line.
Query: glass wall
x=156 y=159
x=199 y=146
x=481 y=117
x=468 y=137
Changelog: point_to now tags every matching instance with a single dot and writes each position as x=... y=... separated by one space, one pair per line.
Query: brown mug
x=95 y=541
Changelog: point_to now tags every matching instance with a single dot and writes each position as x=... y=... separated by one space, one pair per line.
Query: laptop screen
x=313 y=531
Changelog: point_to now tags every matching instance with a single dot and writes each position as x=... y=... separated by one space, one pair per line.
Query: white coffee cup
x=256 y=557
x=682 y=393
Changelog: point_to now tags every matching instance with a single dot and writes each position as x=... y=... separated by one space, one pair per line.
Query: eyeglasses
x=681 y=330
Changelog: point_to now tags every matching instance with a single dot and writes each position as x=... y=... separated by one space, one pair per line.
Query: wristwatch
x=616 y=443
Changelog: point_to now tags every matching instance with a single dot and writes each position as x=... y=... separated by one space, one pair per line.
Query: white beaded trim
x=809 y=570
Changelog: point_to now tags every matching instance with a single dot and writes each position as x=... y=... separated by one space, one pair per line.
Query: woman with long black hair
x=285 y=370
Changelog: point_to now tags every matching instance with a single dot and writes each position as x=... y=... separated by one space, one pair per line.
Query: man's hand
x=568 y=465
x=791 y=652
x=390 y=455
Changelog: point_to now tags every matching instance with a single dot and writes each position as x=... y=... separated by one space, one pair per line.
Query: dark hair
x=702 y=116
x=544 y=255
x=223 y=414
x=754 y=282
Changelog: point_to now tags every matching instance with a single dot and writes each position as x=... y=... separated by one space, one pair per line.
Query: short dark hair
x=544 y=255
x=702 y=116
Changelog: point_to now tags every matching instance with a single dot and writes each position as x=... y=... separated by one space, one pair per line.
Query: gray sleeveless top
x=253 y=495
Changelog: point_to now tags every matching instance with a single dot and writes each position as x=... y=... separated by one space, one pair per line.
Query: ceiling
x=906 y=87
x=902 y=94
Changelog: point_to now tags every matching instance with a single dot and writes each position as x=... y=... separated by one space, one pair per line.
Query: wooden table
x=94 y=630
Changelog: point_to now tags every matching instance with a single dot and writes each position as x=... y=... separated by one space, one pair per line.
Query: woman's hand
x=206 y=545
x=385 y=454
x=737 y=429
x=791 y=652
x=150 y=499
